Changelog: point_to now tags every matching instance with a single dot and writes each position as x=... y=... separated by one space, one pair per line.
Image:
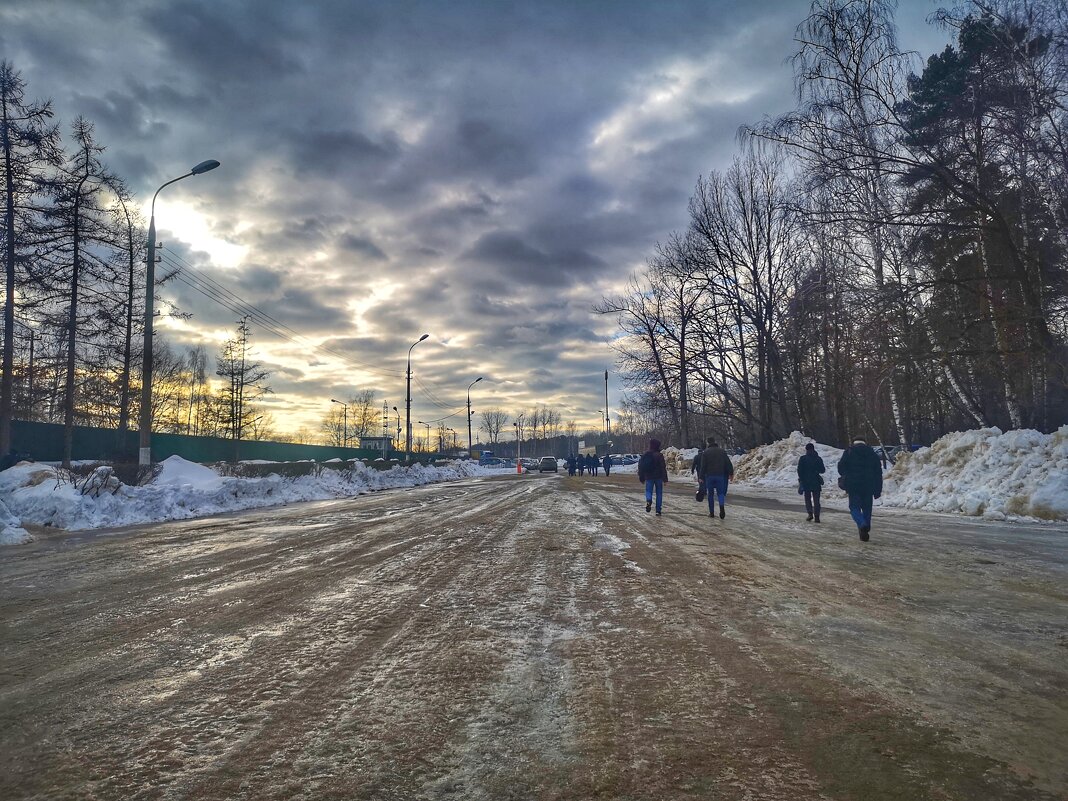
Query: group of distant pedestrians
x=577 y=463
x=859 y=475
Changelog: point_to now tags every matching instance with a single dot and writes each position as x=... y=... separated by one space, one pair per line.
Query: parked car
x=547 y=463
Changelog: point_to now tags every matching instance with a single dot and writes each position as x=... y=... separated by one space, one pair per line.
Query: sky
x=484 y=172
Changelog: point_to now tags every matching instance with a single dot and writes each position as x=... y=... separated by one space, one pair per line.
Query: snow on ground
x=42 y=495
x=11 y=530
x=983 y=473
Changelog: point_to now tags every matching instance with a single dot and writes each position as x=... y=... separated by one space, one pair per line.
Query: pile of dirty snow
x=986 y=472
x=775 y=465
x=47 y=496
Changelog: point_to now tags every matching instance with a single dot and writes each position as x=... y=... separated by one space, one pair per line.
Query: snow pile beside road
x=48 y=497
x=775 y=465
x=986 y=472
x=679 y=460
x=11 y=530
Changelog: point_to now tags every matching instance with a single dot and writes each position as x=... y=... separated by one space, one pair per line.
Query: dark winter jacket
x=861 y=471
x=696 y=466
x=606 y=463
x=716 y=462
x=809 y=468
x=658 y=469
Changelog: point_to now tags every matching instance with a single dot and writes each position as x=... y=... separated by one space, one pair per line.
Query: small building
x=383 y=444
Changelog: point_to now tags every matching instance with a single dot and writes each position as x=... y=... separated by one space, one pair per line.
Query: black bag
x=842 y=483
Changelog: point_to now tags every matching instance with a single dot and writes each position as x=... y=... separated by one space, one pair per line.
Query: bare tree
x=493 y=422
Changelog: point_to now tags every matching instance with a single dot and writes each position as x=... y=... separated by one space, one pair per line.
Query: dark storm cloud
x=505 y=255
x=211 y=39
x=483 y=171
x=362 y=246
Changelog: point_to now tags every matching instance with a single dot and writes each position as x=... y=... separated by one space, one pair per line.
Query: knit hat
x=654 y=444
x=810 y=447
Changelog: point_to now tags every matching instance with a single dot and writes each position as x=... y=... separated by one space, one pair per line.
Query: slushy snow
x=42 y=495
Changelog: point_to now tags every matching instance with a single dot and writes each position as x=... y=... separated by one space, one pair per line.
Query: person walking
x=580 y=461
x=717 y=468
x=695 y=469
x=570 y=462
x=861 y=476
x=591 y=464
x=809 y=480
x=652 y=471
x=607 y=464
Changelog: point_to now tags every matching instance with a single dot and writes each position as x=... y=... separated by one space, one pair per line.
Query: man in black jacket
x=717 y=468
x=809 y=467
x=862 y=479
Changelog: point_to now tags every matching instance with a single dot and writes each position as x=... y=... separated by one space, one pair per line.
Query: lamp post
x=518 y=424
x=420 y=422
x=398 y=424
x=470 y=444
x=345 y=429
x=408 y=404
x=144 y=452
x=607 y=419
x=453 y=432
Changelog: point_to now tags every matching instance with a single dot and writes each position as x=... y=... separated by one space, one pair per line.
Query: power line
x=220 y=293
x=263 y=321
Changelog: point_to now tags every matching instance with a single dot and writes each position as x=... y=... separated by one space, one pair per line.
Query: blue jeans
x=716 y=487
x=860 y=508
x=658 y=485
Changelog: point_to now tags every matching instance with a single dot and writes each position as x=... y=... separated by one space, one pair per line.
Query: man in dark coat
x=652 y=471
x=607 y=465
x=580 y=461
x=862 y=479
x=591 y=463
x=570 y=461
x=717 y=467
x=809 y=467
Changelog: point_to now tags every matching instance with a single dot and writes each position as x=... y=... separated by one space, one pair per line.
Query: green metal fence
x=43 y=442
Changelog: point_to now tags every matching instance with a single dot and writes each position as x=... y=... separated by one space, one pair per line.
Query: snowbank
x=986 y=472
x=775 y=465
x=32 y=493
x=11 y=530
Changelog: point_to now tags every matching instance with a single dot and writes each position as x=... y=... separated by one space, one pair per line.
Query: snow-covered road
x=537 y=637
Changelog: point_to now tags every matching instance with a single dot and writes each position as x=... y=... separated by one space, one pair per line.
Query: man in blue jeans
x=652 y=471
x=861 y=476
x=717 y=467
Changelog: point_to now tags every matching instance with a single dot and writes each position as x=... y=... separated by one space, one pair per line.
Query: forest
x=886 y=260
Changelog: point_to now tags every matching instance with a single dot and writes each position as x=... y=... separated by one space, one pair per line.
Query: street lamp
x=408 y=404
x=453 y=432
x=346 y=423
x=420 y=422
x=398 y=424
x=469 y=443
x=144 y=453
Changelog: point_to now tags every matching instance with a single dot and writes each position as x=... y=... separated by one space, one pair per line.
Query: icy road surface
x=537 y=637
